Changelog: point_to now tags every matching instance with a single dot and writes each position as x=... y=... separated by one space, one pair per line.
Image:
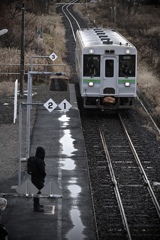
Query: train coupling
x=111 y=100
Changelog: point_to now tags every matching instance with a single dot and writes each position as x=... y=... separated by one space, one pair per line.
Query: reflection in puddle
x=75 y=190
x=65 y=120
x=73 y=180
x=67 y=143
x=67 y=164
x=67 y=140
x=76 y=232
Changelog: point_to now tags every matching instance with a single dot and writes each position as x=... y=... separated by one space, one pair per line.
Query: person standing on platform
x=38 y=174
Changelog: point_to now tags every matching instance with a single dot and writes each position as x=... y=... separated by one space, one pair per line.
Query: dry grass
x=7 y=88
x=53 y=40
x=149 y=84
x=9 y=56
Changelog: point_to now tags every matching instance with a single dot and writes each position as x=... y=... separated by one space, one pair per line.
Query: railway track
x=126 y=201
x=122 y=169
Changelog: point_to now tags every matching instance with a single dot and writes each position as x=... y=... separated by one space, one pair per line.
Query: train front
x=108 y=73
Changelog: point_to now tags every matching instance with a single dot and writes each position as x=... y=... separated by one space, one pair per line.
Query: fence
x=11 y=72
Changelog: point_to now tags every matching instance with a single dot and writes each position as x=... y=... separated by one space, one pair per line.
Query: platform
x=69 y=216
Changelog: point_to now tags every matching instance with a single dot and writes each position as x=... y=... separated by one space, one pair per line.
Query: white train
x=106 y=64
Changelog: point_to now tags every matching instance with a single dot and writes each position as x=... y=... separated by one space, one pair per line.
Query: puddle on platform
x=67 y=164
x=77 y=231
x=74 y=190
x=73 y=180
x=67 y=140
x=67 y=143
x=64 y=119
x=68 y=149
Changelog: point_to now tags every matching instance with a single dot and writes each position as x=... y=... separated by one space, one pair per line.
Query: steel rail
x=63 y=10
x=149 y=115
x=116 y=189
x=147 y=182
x=72 y=14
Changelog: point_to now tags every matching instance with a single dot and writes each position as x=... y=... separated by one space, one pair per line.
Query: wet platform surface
x=68 y=214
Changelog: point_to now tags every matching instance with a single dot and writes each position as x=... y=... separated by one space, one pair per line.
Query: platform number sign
x=64 y=105
x=50 y=105
x=53 y=56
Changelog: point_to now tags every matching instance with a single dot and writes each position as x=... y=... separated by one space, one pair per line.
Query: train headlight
x=127 y=51
x=90 y=84
x=127 y=84
x=91 y=51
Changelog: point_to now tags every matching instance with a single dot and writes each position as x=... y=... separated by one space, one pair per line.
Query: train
x=106 y=65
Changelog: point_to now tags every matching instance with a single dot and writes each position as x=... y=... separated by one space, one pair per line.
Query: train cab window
x=91 y=65
x=109 y=68
x=127 y=66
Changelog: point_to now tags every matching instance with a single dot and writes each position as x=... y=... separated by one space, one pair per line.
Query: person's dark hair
x=40 y=152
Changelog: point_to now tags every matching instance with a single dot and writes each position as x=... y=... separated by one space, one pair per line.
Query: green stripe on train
x=91 y=80
x=119 y=80
x=126 y=80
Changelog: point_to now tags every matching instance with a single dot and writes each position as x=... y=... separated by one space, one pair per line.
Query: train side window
x=109 y=68
x=91 y=65
x=127 y=66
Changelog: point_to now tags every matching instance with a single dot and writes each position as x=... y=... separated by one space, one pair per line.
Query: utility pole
x=113 y=12
x=22 y=53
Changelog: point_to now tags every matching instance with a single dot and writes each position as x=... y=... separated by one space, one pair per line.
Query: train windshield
x=127 y=66
x=91 y=65
x=109 y=68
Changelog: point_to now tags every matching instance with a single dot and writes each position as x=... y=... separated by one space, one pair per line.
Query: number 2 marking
x=50 y=105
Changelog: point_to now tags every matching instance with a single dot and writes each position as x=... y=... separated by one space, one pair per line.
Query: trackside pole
x=15 y=100
x=29 y=101
x=20 y=144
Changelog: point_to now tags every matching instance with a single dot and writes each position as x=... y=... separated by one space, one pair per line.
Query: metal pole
x=20 y=144
x=29 y=101
x=22 y=53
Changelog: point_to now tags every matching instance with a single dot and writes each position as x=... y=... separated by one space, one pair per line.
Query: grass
x=52 y=39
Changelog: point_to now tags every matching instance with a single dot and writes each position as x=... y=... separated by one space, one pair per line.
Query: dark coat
x=38 y=175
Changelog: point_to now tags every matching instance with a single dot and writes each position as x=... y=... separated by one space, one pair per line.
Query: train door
x=109 y=76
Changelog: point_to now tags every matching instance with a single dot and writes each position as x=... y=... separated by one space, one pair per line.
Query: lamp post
x=22 y=54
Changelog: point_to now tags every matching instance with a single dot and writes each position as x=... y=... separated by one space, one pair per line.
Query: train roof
x=101 y=36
